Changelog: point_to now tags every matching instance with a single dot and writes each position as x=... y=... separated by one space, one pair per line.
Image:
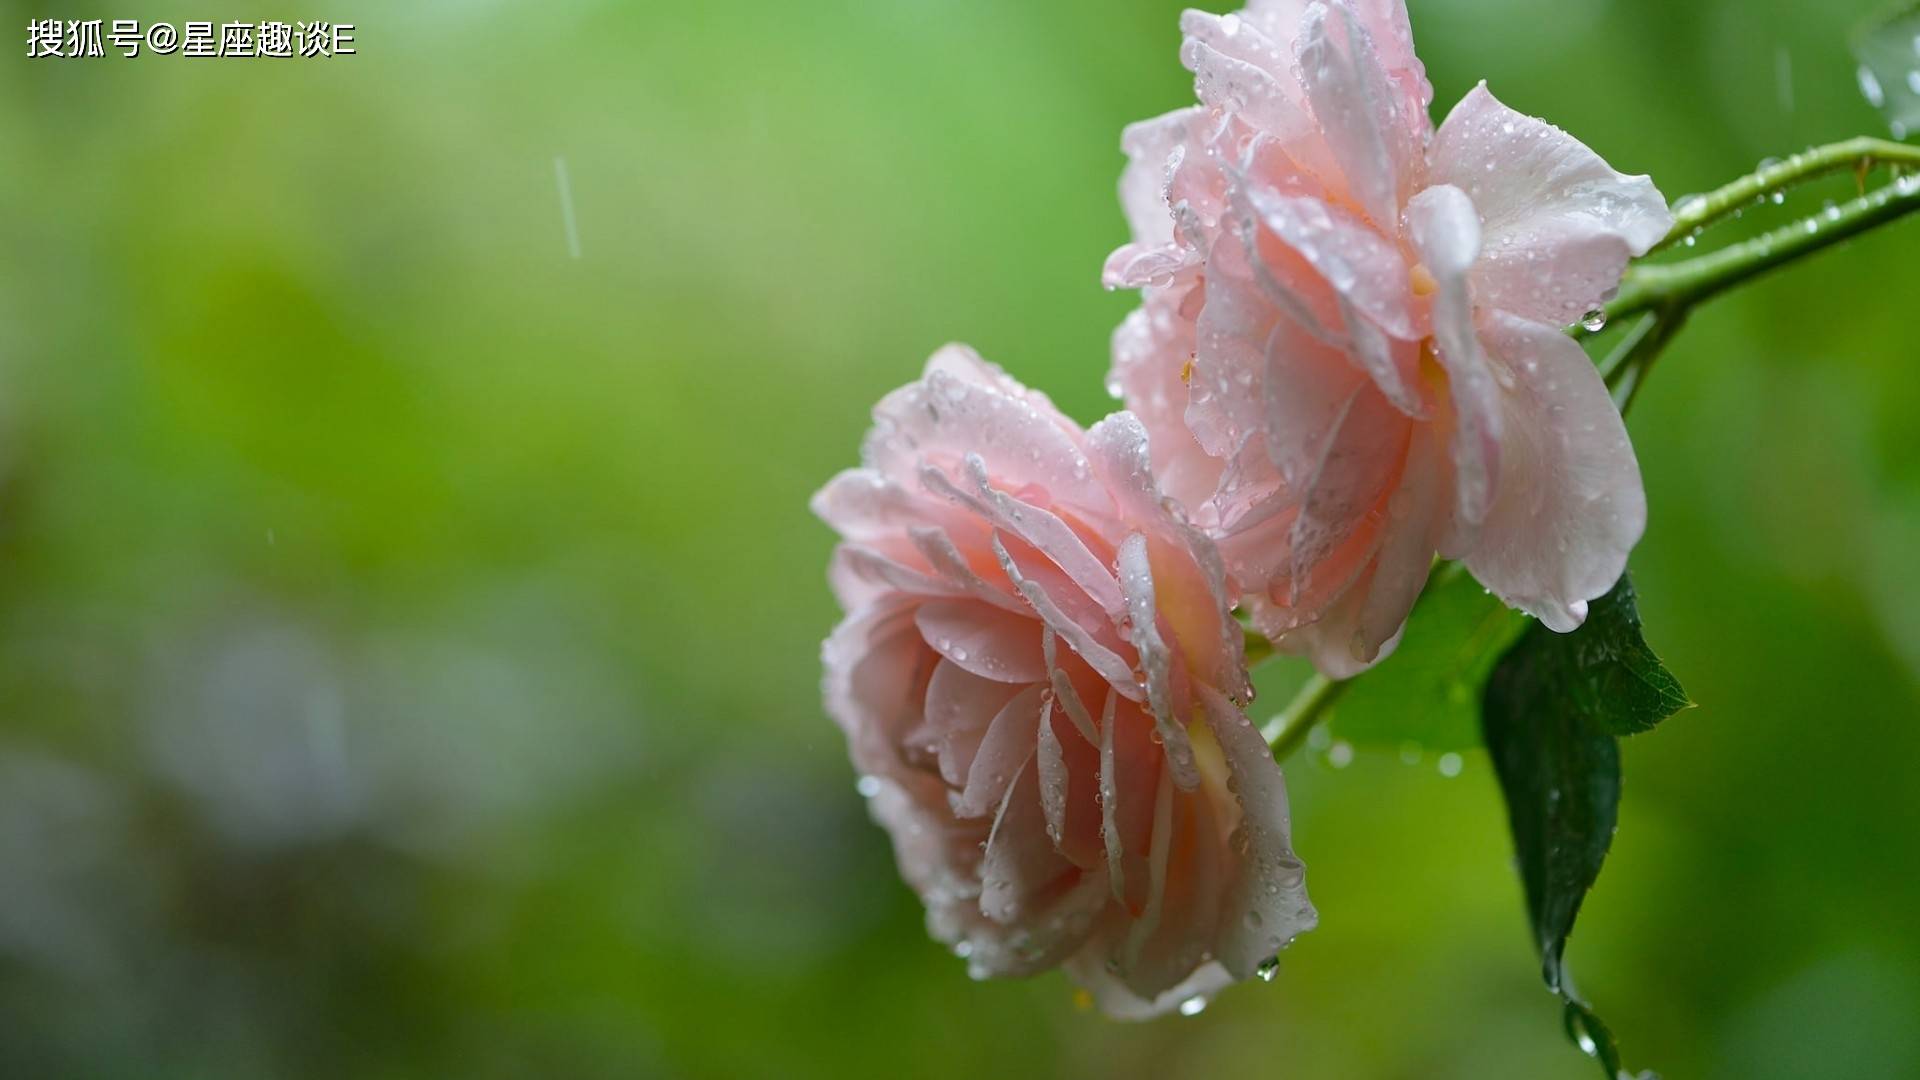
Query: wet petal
x=1559 y=222
x=1362 y=265
x=1446 y=233
x=1008 y=744
x=963 y=405
x=1136 y=579
x=1570 y=504
x=1266 y=905
x=988 y=641
x=1357 y=104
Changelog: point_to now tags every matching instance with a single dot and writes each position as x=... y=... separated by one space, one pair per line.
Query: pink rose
x=1364 y=314
x=1038 y=676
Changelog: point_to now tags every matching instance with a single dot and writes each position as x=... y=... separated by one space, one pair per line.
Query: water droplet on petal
x=1194 y=1005
x=867 y=786
x=1268 y=968
x=1594 y=321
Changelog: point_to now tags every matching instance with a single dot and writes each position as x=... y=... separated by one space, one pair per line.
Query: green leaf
x=1428 y=693
x=1554 y=707
x=1610 y=672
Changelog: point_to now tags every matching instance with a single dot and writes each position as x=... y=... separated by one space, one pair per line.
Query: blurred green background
x=408 y=632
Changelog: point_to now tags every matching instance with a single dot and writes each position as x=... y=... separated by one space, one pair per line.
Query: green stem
x=1683 y=284
x=1624 y=351
x=1696 y=212
x=1308 y=707
x=1627 y=368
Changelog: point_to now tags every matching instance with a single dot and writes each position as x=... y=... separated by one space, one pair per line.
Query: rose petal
x=1007 y=746
x=1152 y=349
x=991 y=643
x=1266 y=905
x=1136 y=580
x=875 y=666
x=862 y=504
x=1446 y=232
x=1356 y=103
x=1075 y=633
x=1570 y=504
x=960 y=706
x=1363 y=267
x=1549 y=206
x=1238 y=69
x=1411 y=534
x=1150 y=146
x=964 y=406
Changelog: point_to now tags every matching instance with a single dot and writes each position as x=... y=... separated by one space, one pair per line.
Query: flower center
x=1424 y=283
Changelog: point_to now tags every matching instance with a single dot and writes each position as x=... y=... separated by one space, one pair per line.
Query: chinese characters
x=81 y=39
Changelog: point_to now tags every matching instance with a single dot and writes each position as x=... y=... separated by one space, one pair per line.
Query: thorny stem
x=1666 y=295
x=1698 y=211
x=1683 y=284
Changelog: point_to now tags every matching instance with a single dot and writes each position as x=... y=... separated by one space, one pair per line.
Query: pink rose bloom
x=1350 y=353
x=1038 y=676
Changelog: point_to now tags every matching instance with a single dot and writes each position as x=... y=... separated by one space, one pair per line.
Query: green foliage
x=1428 y=693
x=1554 y=707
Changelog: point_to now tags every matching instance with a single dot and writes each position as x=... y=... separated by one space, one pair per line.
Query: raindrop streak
x=566 y=206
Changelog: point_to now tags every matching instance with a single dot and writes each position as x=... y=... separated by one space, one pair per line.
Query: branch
x=1309 y=706
x=1684 y=284
x=1696 y=212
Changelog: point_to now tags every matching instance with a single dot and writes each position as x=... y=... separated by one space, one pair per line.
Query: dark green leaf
x=1560 y=772
x=1609 y=672
x=1553 y=708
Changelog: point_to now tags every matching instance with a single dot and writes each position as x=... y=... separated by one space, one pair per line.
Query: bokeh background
x=408 y=630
